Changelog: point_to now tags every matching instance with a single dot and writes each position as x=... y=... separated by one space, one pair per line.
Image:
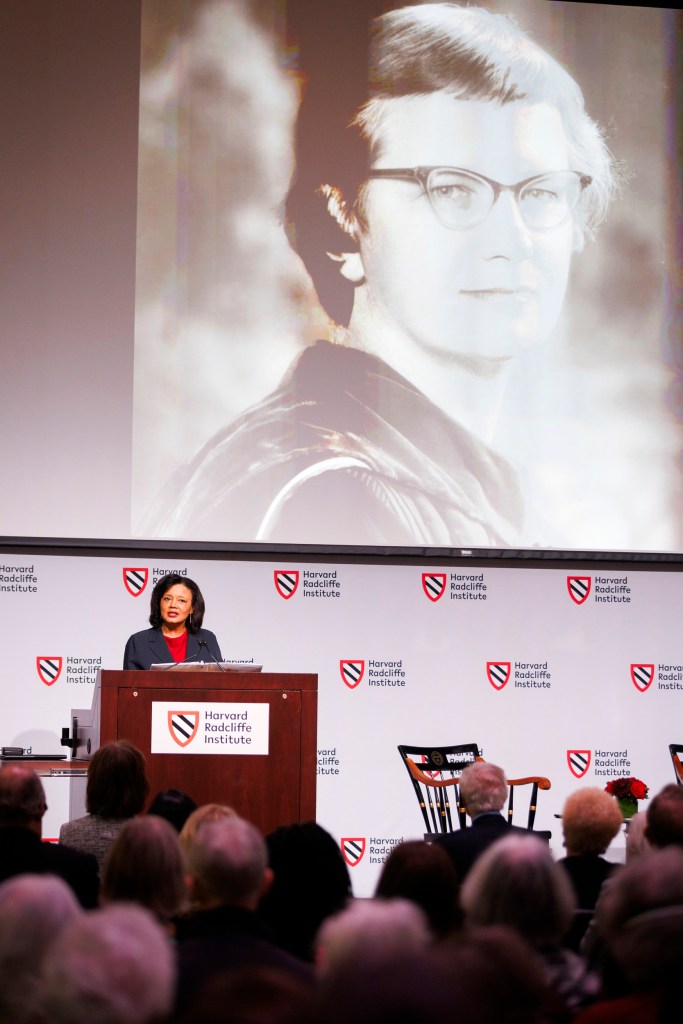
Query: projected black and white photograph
x=367 y=274
x=404 y=277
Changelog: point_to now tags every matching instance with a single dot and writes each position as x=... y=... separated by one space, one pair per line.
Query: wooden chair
x=676 y=749
x=433 y=792
x=444 y=765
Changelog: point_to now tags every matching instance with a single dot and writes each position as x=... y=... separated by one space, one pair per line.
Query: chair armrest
x=540 y=780
x=427 y=780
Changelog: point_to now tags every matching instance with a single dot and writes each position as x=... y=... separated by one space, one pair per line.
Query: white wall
x=77 y=608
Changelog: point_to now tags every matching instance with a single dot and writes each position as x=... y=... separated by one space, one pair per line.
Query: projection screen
x=249 y=335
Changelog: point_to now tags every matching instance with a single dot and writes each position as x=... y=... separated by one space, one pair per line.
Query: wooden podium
x=271 y=789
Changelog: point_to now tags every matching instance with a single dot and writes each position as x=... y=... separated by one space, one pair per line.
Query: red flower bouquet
x=628 y=792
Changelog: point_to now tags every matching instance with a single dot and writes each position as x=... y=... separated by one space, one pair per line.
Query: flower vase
x=628 y=806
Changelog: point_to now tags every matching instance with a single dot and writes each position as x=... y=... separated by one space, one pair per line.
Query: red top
x=177 y=645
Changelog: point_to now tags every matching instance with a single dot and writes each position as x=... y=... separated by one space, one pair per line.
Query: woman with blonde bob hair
x=146 y=866
x=591 y=818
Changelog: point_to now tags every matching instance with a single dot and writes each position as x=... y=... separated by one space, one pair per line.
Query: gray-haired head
x=483 y=787
x=114 y=966
x=517 y=883
x=34 y=909
x=228 y=863
x=370 y=928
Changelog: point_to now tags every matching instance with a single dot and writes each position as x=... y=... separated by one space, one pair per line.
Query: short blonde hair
x=146 y=865
x=590 y=820
x=202 y=815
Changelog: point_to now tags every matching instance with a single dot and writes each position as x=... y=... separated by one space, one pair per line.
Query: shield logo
x=579 y=588
x=286 y=582
x=352 y=672
x=434 y=585
x=353 y=850
x=498 y=673
x=49 y=669
x=579 y=762
x=642 y=676
x=135 y=580
x=183 y=726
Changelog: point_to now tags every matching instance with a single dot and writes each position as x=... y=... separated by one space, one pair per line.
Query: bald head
x=22 y=797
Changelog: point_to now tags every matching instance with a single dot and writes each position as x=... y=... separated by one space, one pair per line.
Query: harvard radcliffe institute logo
x=135 y=580
x=498 y=673
x=49 y=669
x=353 y=850
x=579 y=588
x=434 y=585
x=286 y=582
x=351 y=672
x=642 y=676
x=579 y=762
x=183 y=726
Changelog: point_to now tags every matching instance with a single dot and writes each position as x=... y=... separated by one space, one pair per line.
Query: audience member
x=205 y=813
x=369 y=929
x=111 y=966
x=22 y=807
x=253 y=995
x=640 y=919
x=517 y=883
x=33 y=911
x=498 y=978
x=392 y=986
x=310 y=883
x=145 y=865
x=398 y=958
x=116 y=790
x=229 y=873
x=173 y=805
x=202 y=815
x=483 y=792
x=665 y=817
x=591 y=819
x=423 y=873
x=662 y=827
x=637 y=842
x=486 y=976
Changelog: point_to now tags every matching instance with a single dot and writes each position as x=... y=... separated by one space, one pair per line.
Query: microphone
x=187 y=661
x=203 y=643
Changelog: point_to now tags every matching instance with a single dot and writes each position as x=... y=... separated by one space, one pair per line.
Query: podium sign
x=210 y=728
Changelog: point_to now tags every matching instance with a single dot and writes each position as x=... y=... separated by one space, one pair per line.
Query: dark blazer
x=23 y=852
x=149 y=648
x=227 y=938
x=466 y=844
x=587 y=872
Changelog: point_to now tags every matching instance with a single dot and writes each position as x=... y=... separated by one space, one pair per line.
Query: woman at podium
x=176 y=634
